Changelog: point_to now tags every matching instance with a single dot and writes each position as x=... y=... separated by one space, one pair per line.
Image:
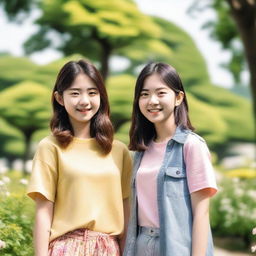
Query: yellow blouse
x=87 y=187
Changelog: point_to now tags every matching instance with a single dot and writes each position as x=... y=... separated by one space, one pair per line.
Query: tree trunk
x=27 y=136
x=105 y=56
x=244 y=14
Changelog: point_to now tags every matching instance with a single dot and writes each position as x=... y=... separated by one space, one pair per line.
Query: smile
x=84 y=110
x=154 y=110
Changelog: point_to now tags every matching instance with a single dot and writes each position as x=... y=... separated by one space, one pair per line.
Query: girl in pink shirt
x=173 y=176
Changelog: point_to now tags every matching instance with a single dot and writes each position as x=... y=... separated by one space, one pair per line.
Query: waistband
x=154 y=232
x=85 y=234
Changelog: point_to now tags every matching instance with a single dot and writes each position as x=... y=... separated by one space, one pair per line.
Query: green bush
x=16 y=218
x=233 y=212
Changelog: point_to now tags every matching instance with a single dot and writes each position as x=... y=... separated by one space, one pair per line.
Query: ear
x=179 y=98
x=58 y=98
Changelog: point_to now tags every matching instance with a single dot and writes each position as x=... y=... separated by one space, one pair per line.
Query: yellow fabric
x=87 y=187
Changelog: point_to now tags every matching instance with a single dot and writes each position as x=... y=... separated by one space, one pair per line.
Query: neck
x=165 y=131
x=82 y=130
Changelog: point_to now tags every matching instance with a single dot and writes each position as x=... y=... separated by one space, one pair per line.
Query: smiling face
x=81 y=100
x=157 y=101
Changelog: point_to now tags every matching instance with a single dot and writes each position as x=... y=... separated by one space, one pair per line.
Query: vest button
x=177 y=172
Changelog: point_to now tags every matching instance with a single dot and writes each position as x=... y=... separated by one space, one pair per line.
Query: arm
x=126 y=205
x=43 y=221
x=200 y=208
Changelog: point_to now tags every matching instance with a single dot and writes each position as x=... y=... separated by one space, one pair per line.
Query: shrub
x=233 y=212
x=16 y=220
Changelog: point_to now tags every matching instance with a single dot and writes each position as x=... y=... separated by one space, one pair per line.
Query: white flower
x=1 y=183
x=24 y=181
x=252 y=193
x=2 y=244
x=6 y=179
x=253 y=248
x=254 y=231
x=7 y=193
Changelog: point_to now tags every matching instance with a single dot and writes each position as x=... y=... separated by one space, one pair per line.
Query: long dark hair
x=100 y=127
x=142 y=131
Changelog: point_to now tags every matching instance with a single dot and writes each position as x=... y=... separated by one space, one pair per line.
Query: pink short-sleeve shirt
x=200 y=175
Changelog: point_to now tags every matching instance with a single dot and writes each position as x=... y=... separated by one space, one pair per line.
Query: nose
x=153 y=100
x=84 y=100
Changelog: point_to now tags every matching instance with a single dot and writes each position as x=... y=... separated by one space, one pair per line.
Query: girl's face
x=81 y=100
x=157 y=101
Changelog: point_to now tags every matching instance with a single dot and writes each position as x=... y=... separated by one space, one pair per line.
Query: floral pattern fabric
x=84 y=242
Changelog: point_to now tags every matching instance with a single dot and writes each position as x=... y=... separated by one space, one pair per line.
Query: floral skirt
x=84 y=242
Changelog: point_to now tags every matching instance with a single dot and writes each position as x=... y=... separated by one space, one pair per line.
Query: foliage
x=224 y=30
x=25 y=106
x=120 y=90
x=123 y=133
x=16 y=215
x=233 y=211
x=14 y=70
x=105 y=26
x=231 y=108
x=11 y=140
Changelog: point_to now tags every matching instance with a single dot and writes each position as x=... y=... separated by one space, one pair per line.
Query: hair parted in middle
x=100 y=127
x=142 y=131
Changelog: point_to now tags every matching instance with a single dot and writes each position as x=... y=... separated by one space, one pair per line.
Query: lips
x=155 y=110
x=84 y=110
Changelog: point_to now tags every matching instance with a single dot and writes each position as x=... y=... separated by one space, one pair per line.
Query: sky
x=13 y=36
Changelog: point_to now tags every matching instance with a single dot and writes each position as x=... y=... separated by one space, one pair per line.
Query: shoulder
x=194 y=139
x=48 y=141
x=119 y=145
x=122 y=148
x=195 y=143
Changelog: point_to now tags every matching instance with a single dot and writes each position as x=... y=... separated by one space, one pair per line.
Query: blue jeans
x=147 y=243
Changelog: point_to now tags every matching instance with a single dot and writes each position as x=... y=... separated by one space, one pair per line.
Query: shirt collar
x=180 y=135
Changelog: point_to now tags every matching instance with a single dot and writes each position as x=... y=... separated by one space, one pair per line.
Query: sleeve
x=200 y=172
x=44 y=174
x=126 y=173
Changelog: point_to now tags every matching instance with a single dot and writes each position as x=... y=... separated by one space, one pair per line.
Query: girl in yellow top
x=80 y=176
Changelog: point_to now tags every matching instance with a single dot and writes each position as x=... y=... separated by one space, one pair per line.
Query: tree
x=236 y=20
x=95 y=29
x=26 y=106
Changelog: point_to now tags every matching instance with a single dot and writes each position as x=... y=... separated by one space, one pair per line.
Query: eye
x=162 y=93
x=74 y=93
x=93 y=92
x=143 y=94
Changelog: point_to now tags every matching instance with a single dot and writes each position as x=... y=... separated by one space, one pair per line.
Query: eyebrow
x=79 y=89
x=157 y=89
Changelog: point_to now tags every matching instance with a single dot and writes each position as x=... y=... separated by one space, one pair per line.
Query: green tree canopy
x=95 y=29
x=26 y=106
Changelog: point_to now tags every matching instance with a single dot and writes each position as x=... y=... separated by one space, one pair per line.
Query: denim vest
x=174 y=203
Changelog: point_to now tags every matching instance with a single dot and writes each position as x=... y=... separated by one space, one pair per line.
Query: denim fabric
x=147 y=243
x=174 y=203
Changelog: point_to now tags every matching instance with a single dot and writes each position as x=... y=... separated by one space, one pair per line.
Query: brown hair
x=101 y=127
x=142 y=131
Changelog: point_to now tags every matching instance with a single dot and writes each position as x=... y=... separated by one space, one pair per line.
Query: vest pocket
x=176 y=182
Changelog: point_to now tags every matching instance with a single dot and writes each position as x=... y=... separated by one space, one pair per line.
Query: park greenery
x=235 y=29
x=101 y=31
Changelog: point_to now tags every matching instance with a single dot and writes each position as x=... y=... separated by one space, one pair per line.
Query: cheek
x=142 y=105
x=96 y=101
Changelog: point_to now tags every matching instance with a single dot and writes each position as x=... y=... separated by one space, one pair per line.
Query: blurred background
x=212 y=44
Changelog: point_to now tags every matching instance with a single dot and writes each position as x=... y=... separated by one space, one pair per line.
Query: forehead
x=82 y=81
x=154 y=82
